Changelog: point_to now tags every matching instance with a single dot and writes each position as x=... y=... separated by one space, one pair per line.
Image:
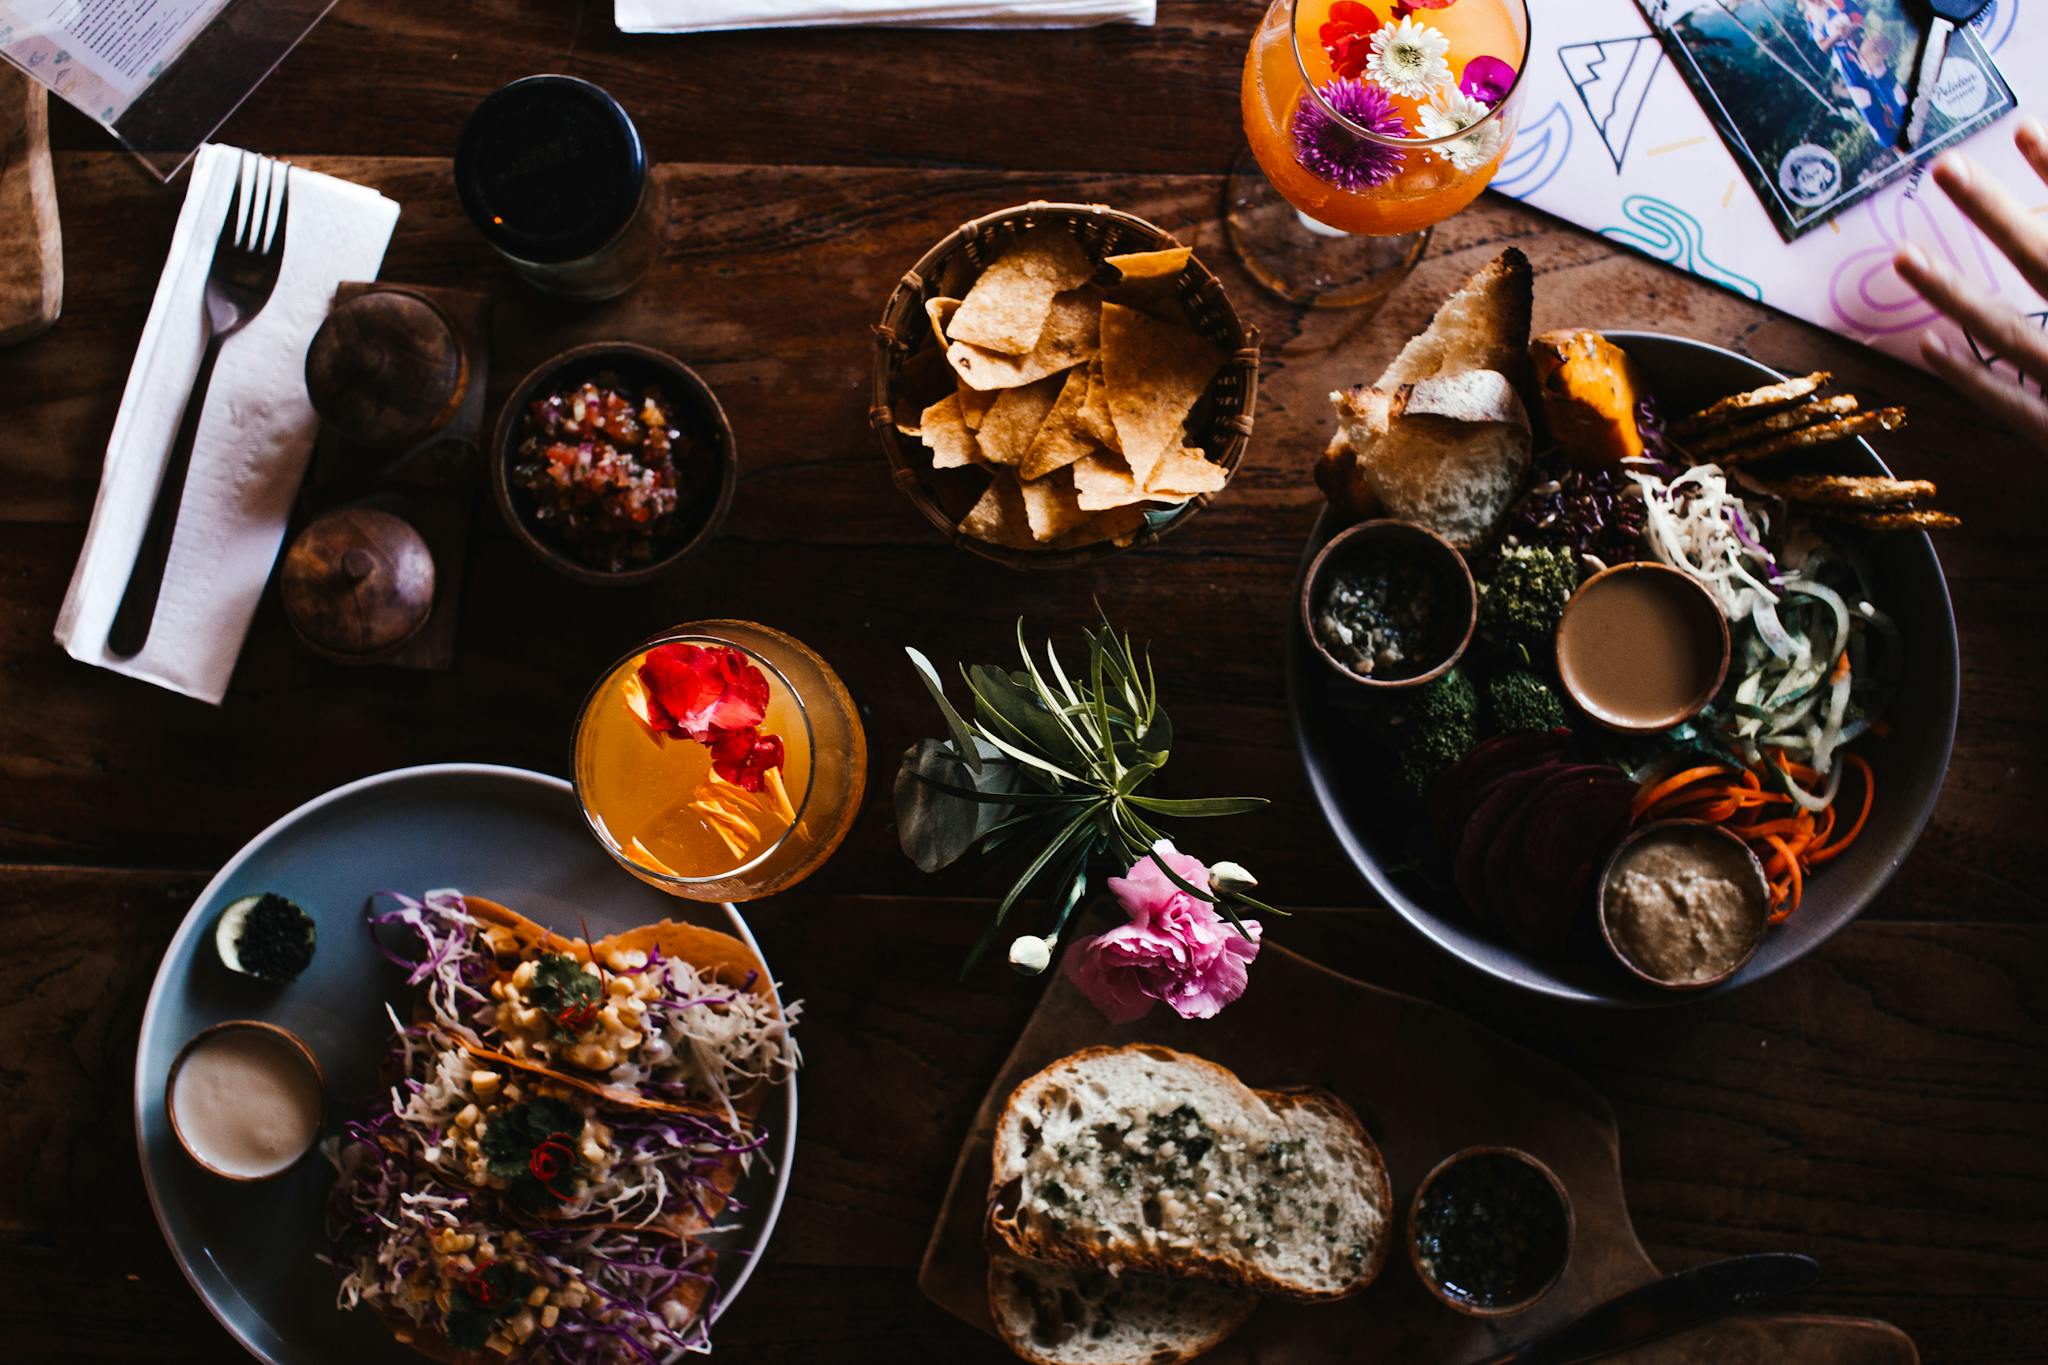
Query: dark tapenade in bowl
x=1490 y=1231
x=1389 y=604
x=611 y=461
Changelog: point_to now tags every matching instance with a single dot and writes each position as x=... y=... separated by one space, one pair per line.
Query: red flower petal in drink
x=702 y=692
x=743 y=758
x=1347 y=36
x=1404 y=8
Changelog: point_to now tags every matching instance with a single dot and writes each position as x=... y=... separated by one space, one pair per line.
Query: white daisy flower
x=1453 y=111
x=1408 y=58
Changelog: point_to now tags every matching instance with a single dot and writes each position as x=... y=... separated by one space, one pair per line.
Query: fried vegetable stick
x=1848 y=490
x=1923 y=519
x=1806 y=414
x=1769 y=396
x=1821 y=433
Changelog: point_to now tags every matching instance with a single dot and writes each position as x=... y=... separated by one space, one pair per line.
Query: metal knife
x=1668 y=1306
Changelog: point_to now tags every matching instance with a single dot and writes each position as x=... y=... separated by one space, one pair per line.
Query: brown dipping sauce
x=1642 y=647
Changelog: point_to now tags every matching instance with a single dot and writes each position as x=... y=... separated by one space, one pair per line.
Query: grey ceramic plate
x=1909 y=765
x=511 y=835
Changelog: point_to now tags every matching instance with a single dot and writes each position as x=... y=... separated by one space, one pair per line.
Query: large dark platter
x=1910 y=763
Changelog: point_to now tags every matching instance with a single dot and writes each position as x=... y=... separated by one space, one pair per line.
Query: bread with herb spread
x=1142 y=1158
x=1076 y=1315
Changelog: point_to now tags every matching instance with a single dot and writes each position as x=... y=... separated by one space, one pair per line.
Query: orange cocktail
x=1370 y=118
x=721 y=760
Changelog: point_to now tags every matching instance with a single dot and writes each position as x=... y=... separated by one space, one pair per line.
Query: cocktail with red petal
x=720 y=761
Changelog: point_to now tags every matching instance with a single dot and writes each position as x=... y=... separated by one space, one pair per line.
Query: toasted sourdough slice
x=1148 y=1159
x=1076 y=1315
x=1484 y=326
x=1450 y=452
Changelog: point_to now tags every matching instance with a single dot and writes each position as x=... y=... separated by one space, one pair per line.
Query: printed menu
x=100 y=55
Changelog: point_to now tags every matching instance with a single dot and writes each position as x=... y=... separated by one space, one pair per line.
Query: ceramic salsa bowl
x=1370 y=825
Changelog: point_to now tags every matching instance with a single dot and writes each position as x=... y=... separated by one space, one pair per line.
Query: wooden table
x=1880 y=1105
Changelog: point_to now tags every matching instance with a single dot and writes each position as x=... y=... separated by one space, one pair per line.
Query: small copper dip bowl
x=1694 y=829
x=1455 y=612
x=1691 y=617
x=1465 y=1305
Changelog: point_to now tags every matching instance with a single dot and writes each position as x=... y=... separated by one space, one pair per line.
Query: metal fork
x=238 y=284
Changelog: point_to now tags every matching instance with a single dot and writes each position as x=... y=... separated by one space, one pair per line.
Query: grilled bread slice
x=1484 y=326
x=1146 y=1159
x=1074 y=1315
x=1450 y=452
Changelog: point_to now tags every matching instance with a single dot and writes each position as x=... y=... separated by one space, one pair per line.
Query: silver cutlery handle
x=132 y=619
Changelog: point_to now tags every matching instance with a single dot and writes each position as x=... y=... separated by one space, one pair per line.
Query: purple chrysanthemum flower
x=1487 y=79
x=1332 y=151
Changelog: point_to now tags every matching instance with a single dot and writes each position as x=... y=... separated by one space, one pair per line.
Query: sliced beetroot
x=1455 y=793
x=1500 y=805
x=1575 y=818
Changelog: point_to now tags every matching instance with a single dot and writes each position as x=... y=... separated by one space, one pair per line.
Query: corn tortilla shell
x=1186 y=473
x=945 y=432
x=1151 y=265
x=999 y=518
x=1014 y=418
x=1052 y=507
x=1009 y=306
x=1073 y=334
x=1153 y=373
x=1062 y=438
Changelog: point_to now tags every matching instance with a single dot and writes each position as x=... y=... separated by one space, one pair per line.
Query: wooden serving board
x=1426 y=1082
x=31 y=248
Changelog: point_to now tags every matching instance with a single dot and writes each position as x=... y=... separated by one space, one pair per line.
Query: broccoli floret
x=1519 y=700
x=1520 y=605
x=1434 y=726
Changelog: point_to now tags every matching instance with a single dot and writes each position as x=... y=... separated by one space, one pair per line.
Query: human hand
x=1998 y=327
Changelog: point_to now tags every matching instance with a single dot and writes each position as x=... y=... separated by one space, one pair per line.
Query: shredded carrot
x=1789 y=839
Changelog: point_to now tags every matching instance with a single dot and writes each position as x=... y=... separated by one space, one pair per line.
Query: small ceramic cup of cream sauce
x=1684 y=904
x=1642 y=647
x=246 y=1099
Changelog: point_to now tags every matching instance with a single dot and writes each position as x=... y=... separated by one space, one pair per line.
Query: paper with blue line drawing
x=1613 y=139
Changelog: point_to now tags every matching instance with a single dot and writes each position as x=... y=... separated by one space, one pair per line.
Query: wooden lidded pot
x=387 y=370
x=358 y=584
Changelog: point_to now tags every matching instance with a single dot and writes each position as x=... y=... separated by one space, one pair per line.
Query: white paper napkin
x=253 y=442
x=702 y=16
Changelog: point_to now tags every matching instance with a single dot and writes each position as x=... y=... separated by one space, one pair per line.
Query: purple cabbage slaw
x=387 y=1196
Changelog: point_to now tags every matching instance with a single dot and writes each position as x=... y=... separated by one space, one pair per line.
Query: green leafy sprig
x=1052 y=769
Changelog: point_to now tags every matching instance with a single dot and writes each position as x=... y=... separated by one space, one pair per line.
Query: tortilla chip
x=1186 y=473
x=1154 y=373
x=974 y=405
x=1095 y=409
x=1151 y=265
x=1061 y=438
x=1119 y=524
x=1008 y=307
x=941 y=312
x=1072 y=335
x=1014 y=418
x=945 y=431
x=999 y=517
x=1051 y=507
x=1102 y=482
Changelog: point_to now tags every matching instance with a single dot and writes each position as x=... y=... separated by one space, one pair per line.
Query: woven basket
x=911 y=370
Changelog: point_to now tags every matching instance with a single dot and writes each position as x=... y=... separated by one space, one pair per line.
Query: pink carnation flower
x=1175 y=948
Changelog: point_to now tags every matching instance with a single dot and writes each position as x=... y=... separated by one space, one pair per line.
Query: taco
x=459 y=1285
x=554 y=1152
x=667 y=1016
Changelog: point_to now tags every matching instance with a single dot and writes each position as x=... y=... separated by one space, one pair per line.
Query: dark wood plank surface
x=1879 y=1105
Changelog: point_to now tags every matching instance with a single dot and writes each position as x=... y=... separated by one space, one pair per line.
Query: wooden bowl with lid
x=911 y=373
